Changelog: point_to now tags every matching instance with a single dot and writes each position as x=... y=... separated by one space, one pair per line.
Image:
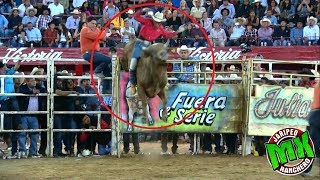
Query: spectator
x=236 y=31
x=225 y=21
x=50 y=37
x=66 y=5
x=304 y=9
x=174 y=22
x=244 y=9
x=6 y=6
x=230 y=7
x=265 y=32
x=72 y=22
x=250 y=35
x=10 y=103
x=197 y=6
x=30 y=121
x=76 y=35
x=213 y=10
x=206 y=22
x=3 y=27
x=253 y=20
x=88 y=35
x=132 y=22
x=43 y=20
x=127 y=32
x=40 y=8
x=122 y=6
x=78 y=4
x=30 y=17
x=184 y=7
x=23 y=7
x=86 y=9
x=271 y=17
x=13 y=20
x=57 y=11
x=217 y=35
x=305 y=80
x=65 y=38
x=281 y=34
x=275 y=10
x=118 y=22
x=33 y=36
x=287 y=10
x=296 y=34
x=311 y=31
x=110 y=9
x=258 y=9
x=114 y=37
x=19 y=36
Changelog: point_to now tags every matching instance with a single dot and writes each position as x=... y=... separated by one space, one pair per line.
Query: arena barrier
x=50 y=103
x=229 y=108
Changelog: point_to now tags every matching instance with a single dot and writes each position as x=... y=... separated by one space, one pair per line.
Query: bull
x=152 y=76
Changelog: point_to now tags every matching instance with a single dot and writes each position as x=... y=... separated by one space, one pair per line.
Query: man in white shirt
x=57 y=10
x=227 y=5
x=132 y=22
x=33 y=35
x=127 y=32
x=77 y=3
x=236 y=32
x=72 y=22
x=23 y=7
x=311 y=31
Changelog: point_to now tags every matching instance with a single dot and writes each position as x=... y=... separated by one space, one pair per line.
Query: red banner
x=64 y=55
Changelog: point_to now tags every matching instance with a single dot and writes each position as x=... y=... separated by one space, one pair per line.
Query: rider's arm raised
x=138 y=17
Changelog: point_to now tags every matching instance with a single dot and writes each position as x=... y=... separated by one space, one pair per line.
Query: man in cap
x=296 y=33
x=151 y=30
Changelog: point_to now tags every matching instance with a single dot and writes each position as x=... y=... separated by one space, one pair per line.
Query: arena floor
x=147 y=166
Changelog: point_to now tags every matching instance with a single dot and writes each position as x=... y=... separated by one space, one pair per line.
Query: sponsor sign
x=221 y=112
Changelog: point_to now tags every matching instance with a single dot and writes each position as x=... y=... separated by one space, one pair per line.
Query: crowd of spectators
x=57 y=23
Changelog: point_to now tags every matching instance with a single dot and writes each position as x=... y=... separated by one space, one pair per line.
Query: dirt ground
x=146 y=166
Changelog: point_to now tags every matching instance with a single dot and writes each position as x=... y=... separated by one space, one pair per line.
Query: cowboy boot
x=133 y=81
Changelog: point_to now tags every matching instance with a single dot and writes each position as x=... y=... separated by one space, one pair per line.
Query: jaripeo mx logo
x=290 y=151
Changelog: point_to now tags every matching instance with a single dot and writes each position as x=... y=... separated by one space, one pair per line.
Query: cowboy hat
x=75 y=11
x=35 y=70
x=265 y=20
x=64 y=73
x=232 y=68
x=158 y=17
x=256 y=1
x=312 y=18
x=15 y=9
x=244 y=20
x=130 y=11
x=184 y=48
x=31 y=9
x=194 y=3
x=197 y=14
x=268 y=76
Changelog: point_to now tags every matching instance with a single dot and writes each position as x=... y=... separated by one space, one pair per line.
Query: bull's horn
x=167 y=43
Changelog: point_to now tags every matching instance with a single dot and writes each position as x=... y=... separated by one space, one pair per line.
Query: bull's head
x=158 y=53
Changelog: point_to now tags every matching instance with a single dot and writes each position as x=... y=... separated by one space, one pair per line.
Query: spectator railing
x=50 y=104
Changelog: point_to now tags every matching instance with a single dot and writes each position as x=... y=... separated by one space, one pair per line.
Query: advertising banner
x=274 y=106
x=221 y=112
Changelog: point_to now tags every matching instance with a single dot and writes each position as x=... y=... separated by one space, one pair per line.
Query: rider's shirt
x=149 y=32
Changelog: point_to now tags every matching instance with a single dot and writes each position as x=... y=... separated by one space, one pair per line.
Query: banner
x=274 y=107
x=291 y=53
x=221 y=112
